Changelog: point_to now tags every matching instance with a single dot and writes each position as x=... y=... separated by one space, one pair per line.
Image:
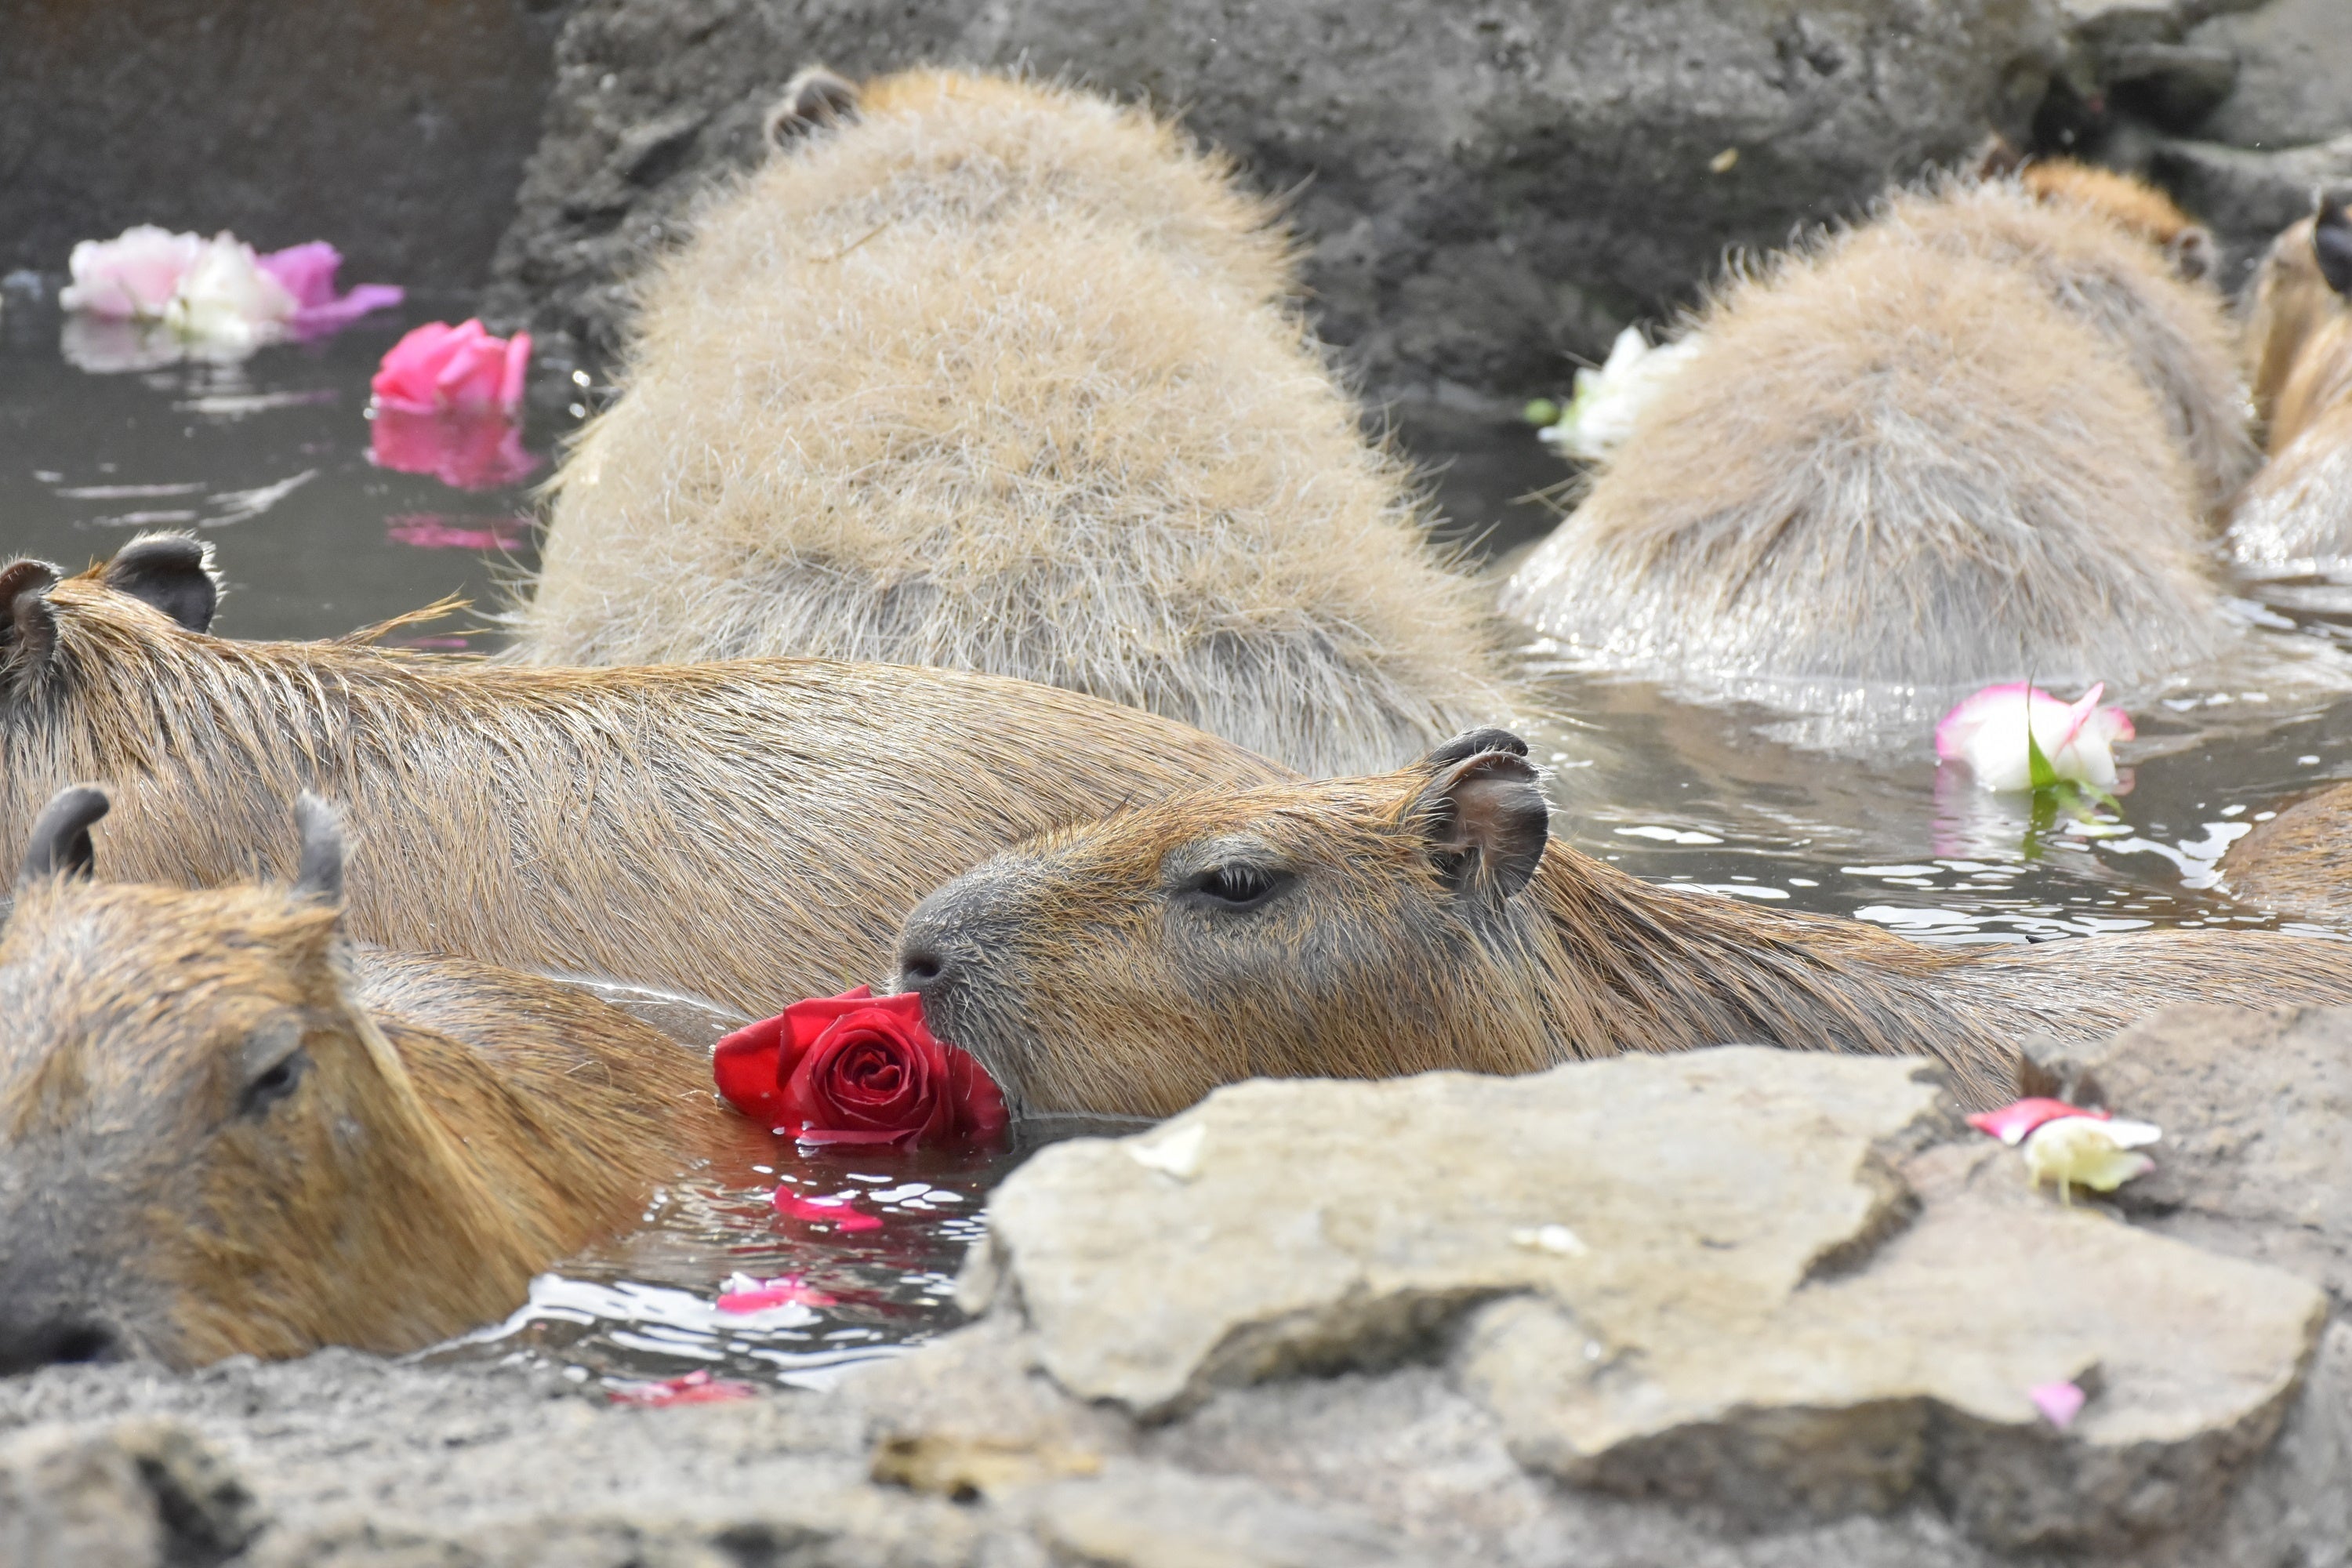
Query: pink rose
x=308 y=273
x=134 y=275
x=439 y=367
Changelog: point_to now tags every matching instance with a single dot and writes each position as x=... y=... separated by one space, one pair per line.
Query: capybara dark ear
x=60 y=842
x=1485 y=821
x=173 y=572
x=1470 y=742
x=2193 y=254
x=2331 y=244
x=814 y=98
x=28 y=622
x=320 y=874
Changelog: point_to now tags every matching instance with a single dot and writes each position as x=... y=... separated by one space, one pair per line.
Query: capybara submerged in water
x=2299 y=343
x=749 y=832
x=224 y=1130
x=995 y=375
x=1424 y=920
x=2299 y=863
x=1922 y=453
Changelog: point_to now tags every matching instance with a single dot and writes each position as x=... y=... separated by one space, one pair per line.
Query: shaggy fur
x=2299 y=350
x=2299 y=863
x=449 y=1130
x=1895 y=460
x=1003 y=377
x=2118 y=256
x=749 y=832
x=1096 y=969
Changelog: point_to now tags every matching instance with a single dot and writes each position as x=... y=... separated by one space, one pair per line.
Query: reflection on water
x=271 y=460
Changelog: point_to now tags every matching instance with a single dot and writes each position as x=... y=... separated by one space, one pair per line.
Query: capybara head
x=2301 y=293
x=205 y=1147
x=1354 y=926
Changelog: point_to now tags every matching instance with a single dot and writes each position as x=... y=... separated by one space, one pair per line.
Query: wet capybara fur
x=1424 y=920
x=2299 y=863
x=749 y=832
x=1976 y=436
x=999 y=376
x=2299 y=352
x=226 y=1129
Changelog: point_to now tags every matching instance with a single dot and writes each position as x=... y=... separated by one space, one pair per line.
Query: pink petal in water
x=431 y=531
x=695 y=1388
x=836 y=1212
x=307 y=272
x=791 y=1290
x=2059 y=1402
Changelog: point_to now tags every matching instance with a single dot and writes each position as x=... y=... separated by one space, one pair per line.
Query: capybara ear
x=319 y=874
x=60 y=842
x=1485 y=821
x=2331 y=244
x=173 y=572
x=815 y=96
x=2193 y=254
x=1469 y=743
x=28 y=622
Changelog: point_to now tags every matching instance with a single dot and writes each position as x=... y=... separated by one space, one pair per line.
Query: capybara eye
x=1238 y=887
x=274 y=1084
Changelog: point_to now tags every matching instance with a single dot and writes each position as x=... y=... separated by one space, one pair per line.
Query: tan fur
x=748 y=832
x=1001 y=376
x=2108 y=250
x=458 y=1129
x=2298 y=345
x=1893 y=459
x=2299 y=863
x=1081 y=969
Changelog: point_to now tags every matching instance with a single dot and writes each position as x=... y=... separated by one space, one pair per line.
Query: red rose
x=857 y=1068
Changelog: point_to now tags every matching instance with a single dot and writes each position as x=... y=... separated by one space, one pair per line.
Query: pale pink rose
x=1988 y=731
x=2094 y=1151
x=2059 y=1402
x=462 y=368
x=308 y=273
x=226 y=298
x=134 y=275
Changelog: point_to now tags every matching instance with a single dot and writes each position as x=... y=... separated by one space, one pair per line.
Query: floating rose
x=2004 y=732
x=227 y=298
x=694 y=1388
x=840 y=1212
x=306 y=272
x=857 y=1068
x=2071 y=1145
x=1608 y=401
x=744 y=1294
x=131 y=277
x=441 y=369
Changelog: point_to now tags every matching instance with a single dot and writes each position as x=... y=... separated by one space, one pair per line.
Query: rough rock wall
x=396 y=129
x=1484 y=185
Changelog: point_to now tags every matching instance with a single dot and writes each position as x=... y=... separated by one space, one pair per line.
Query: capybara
x=2299 y=863
x=1901 y=457
x=2299 y=346
x=1425 y=920
x=226 y=1129
x=995 y=375
x=749 y=832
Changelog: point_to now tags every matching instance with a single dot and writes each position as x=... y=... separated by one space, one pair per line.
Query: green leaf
x=1542 y=411
x=2037 y=766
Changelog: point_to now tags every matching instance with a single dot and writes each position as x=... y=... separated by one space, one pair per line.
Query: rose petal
x=836 y=1212
x=789 y=1291
x=694 y=1388
x=2013 y=1121
x=2059 y=1402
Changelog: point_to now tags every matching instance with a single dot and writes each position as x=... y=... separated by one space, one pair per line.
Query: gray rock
x=140 y=1494
x=2247 y=197
x=1483 y=186
x=2255 y=1162
x=396 y=129
x=1793 y=1312
x=2294 y=74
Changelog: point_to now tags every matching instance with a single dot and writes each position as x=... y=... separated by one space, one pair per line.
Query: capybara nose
x=54 y=1341
x=920 y=967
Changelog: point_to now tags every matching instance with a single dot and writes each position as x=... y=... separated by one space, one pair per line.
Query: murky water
x=270 y=459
